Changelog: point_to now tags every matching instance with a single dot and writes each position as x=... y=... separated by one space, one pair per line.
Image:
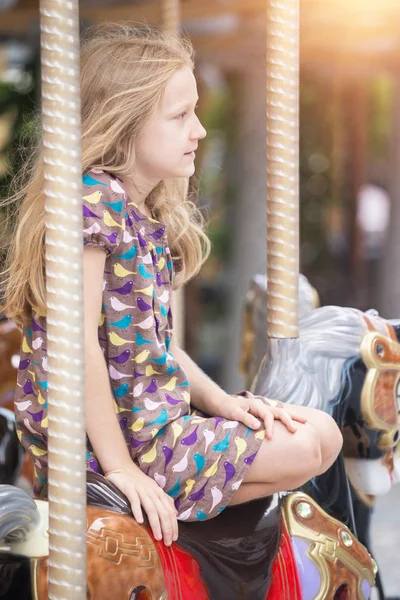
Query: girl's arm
x=208 y=397
x=102 y=425
x=205 y=394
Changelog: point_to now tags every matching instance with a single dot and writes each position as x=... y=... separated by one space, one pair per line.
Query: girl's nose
x=198 y=131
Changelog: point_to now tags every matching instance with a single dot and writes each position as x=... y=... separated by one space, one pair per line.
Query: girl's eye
x=181 y=115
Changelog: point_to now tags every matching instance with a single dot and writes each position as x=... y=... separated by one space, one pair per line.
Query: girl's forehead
x=181 y=88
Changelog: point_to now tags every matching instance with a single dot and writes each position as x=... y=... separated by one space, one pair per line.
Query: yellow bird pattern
x=150 y=456
x=241 y=445
x=148 y=291
x=177 y=429
x=150 y=371
x=138 y=424
x=170 y=386
x=25 y=347
x=93 y=198
x=108 y=220
x=120 y=271
x=117 y=340
x=37 y=451
x=142 y=357
x=213 y=469
x=189 y=486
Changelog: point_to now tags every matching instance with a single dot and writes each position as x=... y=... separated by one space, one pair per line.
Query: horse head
x=370 y=397
x=347 y=363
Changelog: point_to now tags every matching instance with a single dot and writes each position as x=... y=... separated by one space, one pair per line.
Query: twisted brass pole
x=282 y=167
x=64 y=283
x=171 y=23
x=171 y=15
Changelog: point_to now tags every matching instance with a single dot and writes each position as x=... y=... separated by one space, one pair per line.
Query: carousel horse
x=347 y=364
x=268 y=549
x=273 y=548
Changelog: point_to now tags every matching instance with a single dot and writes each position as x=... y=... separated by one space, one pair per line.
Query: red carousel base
x=285 y=583
x=183 y=578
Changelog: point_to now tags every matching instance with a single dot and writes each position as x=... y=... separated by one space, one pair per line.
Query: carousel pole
x=171 y=23
x=283 y=168
x=171 y=16
x=282 y=187
x=64 y=285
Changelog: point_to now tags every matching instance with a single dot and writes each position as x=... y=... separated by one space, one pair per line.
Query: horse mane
x=18 y=514
x=310 y=371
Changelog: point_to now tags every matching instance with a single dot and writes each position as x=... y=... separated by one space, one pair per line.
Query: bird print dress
x=198 y=460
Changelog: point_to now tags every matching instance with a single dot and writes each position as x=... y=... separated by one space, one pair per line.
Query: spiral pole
x=282 y=168
x=171 y=18
x=59 y=24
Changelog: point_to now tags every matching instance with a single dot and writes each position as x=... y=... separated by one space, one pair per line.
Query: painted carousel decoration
x=274 y=548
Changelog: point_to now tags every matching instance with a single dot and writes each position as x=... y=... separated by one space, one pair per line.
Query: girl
x=169 y=438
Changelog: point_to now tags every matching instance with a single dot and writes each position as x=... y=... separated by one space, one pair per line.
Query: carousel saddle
x=235 y=551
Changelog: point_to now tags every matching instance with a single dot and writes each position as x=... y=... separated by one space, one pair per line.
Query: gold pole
x=171 y=23
x=64 y=285
x=171 y=15
x=282 y=168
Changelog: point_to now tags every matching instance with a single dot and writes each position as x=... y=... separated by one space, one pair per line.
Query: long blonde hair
x=124 y=72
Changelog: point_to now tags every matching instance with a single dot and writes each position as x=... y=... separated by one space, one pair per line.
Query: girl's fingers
x=170 y=507
x=165 y=517
x=286 y=419
x=290 y=408
x=269 y=424
x=249 y=420
x=298 y=418
x=171 y=501
x=152 y=515
x=295 y=417
x=241 y=413
x=136 y=508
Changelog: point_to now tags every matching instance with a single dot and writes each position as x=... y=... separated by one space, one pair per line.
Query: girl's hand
x=143 y=492
x=254 y=410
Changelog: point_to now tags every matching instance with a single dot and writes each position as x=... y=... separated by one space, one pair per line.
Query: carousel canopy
x=338 y=33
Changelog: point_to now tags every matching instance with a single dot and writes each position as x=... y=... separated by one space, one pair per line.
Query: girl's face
x=165 y=148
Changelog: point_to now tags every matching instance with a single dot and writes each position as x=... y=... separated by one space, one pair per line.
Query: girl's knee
x=288 y=460
x=310 y=453
x=331 y=438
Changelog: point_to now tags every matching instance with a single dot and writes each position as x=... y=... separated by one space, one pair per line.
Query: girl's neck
x=138 y=194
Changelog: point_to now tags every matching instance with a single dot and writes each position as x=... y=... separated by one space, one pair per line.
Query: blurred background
x=349 y=152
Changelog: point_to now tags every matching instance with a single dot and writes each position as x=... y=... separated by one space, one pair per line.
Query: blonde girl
x=168 y=437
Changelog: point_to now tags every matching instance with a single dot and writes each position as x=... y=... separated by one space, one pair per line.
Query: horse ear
x=395 y=323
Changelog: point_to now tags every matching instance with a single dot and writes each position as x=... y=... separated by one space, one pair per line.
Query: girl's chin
x=182 y=171
x=185 y=172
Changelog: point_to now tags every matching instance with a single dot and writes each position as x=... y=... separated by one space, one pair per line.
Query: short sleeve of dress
x=103 y=213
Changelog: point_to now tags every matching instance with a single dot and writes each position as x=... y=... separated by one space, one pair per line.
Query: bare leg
x=254 y=491
x=331 y=440
x=290 y=459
